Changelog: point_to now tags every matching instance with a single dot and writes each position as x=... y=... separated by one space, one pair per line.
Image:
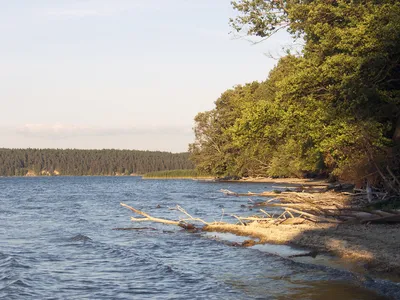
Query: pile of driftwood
x=296 y=207
x=331 y=207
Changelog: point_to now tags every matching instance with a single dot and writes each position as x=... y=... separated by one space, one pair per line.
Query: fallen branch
x=263 y=194
x=147 y=217
x=318 y=218
x=228 y=192
x=251 y=218
x=181 y=223
x=191 y=218
x=239 y=220
x=393 y=176
x=135 y=228
x=263 y=211
x=395 y=219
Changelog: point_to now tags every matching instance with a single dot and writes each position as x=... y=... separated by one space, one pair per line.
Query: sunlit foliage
x=331 y=111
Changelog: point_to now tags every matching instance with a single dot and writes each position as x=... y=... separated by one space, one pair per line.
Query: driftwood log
x=184 y=223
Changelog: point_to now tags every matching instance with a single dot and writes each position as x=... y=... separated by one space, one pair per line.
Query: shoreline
x=208 y=179
x=296 y=181
x=372 y=248
x=299 y=181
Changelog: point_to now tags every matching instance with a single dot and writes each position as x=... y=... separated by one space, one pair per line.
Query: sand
x=375 y=247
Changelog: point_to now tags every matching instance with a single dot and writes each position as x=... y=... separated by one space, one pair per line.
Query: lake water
x=57 y=242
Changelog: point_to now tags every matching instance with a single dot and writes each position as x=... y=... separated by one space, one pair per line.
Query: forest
x=331 y=109
x=34 y=162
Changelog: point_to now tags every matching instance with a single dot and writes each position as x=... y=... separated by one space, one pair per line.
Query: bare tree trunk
x=369 y=192
x=396 y=135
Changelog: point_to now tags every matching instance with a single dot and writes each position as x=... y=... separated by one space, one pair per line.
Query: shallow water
x=57 y=242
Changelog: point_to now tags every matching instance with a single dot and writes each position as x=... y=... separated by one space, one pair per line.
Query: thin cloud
x=71 y=13
x=101 y=9
x=63 y=131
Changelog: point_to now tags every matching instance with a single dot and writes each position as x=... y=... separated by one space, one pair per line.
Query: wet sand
x=373 y=247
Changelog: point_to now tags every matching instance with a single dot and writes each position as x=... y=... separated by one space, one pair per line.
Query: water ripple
x=58 y=243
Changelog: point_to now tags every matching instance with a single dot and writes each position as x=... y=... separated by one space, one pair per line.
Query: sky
x=121 y=74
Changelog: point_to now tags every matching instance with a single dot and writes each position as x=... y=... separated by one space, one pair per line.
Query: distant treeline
x=186 y=173
x=32 y=162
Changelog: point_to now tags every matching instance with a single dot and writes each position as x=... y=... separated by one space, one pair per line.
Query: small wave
x=20 y=283
x=80 y=220
x=31 y=199
x=128 y=194
x=10 y=262
x=7 y=212
x=80 y=238
x=5 y=278
x=34 y=207
x=11 y=281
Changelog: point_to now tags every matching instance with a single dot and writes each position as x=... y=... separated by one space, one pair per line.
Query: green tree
x=335 y=109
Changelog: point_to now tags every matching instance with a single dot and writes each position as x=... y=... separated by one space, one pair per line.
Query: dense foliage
x=20 y=162
x=333 y=110
x=186 y=173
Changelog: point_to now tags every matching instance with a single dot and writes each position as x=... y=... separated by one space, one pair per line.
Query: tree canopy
x=333 y=110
